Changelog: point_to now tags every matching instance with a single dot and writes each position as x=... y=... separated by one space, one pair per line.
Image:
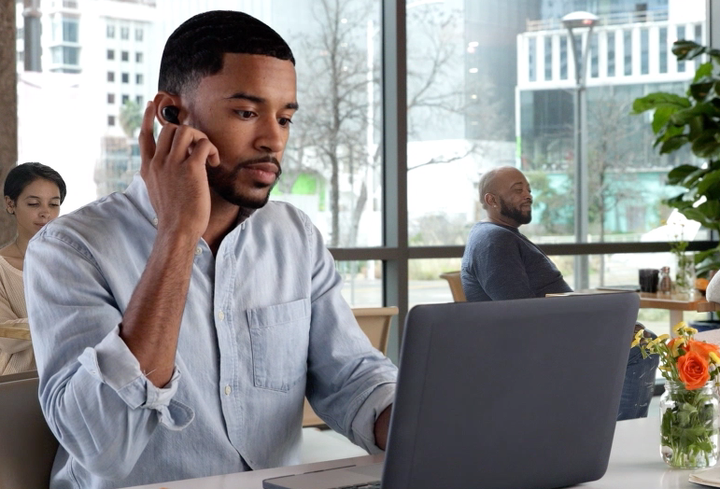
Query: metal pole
x=582 y=262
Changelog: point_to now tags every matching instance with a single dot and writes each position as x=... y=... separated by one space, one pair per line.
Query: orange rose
x=702 y=347
x=693 y=370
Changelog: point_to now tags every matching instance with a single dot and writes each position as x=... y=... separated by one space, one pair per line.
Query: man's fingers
x=191 y=144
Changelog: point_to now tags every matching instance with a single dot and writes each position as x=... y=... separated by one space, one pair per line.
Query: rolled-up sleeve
x=97 y=402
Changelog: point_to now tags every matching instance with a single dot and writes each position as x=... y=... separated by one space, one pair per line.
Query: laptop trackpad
x=327 y=479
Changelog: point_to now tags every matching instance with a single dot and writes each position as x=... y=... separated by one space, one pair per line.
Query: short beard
x=223 y=183
x=515 y=214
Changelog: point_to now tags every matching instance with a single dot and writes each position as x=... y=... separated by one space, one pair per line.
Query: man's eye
x=245 y=114
x=285 y=121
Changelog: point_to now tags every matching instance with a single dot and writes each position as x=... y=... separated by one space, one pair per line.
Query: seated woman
x=33 y=194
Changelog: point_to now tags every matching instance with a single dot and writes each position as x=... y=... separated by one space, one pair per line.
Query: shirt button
x=221 y=315
x=198 y=251
x=228 y=390
x=155 y=221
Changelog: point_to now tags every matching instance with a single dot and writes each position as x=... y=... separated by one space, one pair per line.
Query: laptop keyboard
x=371 y=485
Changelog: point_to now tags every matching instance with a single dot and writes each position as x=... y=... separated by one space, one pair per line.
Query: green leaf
x=661 y=116
x=685 y=49
x=704 y=70
x=678 y=174
x=706 y=145
x=659 y=99
x=710 y=181
x=673 y=144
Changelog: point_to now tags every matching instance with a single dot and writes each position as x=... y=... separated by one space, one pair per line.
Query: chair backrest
x=375 y=323
x=453 y=279
x=27 y=447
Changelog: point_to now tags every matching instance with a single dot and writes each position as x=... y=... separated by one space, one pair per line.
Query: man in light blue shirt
x=179 y=325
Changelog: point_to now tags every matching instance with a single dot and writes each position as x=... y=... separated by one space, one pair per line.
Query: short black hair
x=196 y=48
x=23 y=175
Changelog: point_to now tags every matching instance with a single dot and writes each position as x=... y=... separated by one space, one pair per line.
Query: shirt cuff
x=112 y=363
x=363 y=426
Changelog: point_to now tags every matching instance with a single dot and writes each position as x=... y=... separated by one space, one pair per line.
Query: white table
x=634 y=463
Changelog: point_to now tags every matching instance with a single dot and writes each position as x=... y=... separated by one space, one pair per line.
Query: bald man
x=500 y=263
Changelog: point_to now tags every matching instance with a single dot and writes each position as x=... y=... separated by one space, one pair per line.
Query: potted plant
x=692 y=119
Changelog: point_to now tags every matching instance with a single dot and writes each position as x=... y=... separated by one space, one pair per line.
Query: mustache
x=261 y=159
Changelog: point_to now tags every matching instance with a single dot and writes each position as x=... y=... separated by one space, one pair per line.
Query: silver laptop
x=506 y=394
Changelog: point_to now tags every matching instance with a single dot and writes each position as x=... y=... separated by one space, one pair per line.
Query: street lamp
x=578 y=20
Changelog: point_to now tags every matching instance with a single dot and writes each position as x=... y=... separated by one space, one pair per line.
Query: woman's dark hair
x=196 y=48
x=23 y=175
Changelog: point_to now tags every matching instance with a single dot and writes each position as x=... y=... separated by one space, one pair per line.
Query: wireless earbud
x=170 y=113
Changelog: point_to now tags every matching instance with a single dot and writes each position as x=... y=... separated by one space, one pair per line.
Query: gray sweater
x=500 y=263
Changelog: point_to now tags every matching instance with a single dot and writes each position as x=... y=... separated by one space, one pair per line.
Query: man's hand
x=175 y=176
x=176 y=179
x=382 y=427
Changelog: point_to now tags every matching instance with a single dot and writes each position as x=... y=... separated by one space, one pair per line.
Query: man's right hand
x=175 y=176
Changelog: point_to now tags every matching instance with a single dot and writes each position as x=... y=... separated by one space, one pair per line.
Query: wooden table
x=677 y=304
x=14 y=332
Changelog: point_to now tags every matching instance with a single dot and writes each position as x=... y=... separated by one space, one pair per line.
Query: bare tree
x=336 y=138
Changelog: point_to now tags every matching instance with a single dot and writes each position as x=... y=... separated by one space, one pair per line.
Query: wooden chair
x=453 y=279
x=375 y=323
x=14 y=332
x=27 y=446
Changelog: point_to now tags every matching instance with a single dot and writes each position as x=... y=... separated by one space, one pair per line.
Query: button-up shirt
x=264 y=324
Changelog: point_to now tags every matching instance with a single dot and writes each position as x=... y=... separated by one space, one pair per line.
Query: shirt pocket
x=279 y=337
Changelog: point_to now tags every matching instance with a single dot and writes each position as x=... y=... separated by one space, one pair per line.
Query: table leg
x=675 y=317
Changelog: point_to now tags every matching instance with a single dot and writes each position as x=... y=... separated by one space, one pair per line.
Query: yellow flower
x=714 y=357
x=638 y=337
x=675 y=348
x=678 y=328
x=659 y=339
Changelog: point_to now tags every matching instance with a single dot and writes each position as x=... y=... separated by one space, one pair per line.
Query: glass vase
x=689 y=425
x=685 y=274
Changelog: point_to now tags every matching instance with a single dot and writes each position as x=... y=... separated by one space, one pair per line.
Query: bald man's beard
x=515 y=213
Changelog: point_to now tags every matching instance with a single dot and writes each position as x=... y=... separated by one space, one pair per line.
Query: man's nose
x=271 y=137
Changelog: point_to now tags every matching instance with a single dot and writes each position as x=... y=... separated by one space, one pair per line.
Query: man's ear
x=168 y=108
x=490 y=200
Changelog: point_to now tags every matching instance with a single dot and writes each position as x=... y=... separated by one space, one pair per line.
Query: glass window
x=663 y=49
x=70 y=29
x=627 y=39
x=111 y=76
x=610 y=54
x=124 y=56
x=111 y=120
x=548 y=58
x=125 y=98
x=110 y=31
x=138 y=57
x=139 y=100
x=110 y=54
x=124 y=33
x=110 y=98
x=139 y=79
x=644 y=52
x=332 y=168
x=138 y=34
x=362 y=282
x=532 y=56
x=680 y=36
x=125 y=77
